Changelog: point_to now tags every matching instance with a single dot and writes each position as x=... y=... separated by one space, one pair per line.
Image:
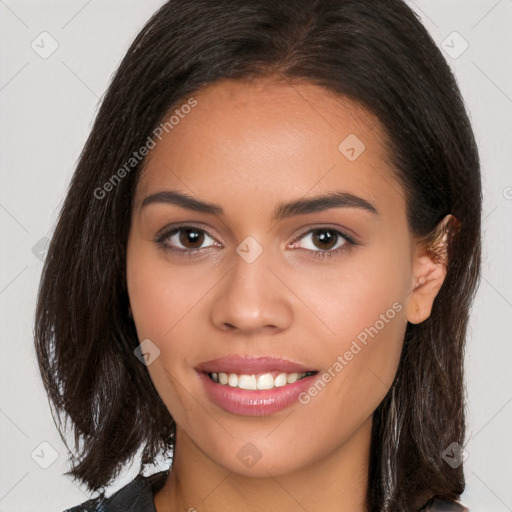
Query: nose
x=251 y=299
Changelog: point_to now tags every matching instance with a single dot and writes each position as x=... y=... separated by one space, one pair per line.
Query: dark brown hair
x=375 y=52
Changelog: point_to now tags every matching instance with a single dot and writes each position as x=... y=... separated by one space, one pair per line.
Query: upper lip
x=252 y=365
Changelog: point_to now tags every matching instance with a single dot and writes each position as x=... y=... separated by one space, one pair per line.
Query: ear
x=429 y=269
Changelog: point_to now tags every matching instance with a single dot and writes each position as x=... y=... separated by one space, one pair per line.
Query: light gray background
x=47 y=109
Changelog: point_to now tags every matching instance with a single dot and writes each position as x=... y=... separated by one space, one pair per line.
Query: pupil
x=326 y=237
x=190 y=236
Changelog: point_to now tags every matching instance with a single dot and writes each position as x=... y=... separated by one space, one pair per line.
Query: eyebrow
x=282 y=211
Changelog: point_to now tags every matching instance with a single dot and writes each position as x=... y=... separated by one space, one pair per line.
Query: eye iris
x=191 y=236
x=325 y=237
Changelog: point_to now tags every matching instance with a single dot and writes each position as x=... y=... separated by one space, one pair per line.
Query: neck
x=337 y=481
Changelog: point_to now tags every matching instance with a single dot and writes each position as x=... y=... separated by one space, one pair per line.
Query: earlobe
x=429 y=269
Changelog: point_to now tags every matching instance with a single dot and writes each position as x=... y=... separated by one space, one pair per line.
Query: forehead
x=269 y=135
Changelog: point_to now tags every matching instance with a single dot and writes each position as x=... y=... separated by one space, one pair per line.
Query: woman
x=265 y=262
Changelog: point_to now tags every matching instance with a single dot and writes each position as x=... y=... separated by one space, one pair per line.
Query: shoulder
x=136 y=496
x=442 y=504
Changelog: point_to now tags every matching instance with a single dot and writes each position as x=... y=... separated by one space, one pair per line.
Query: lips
x=252 y=366
x=254 y=386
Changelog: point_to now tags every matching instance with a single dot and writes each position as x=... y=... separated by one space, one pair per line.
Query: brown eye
x=185 y=240
x=324 y=238
x=324 y=242
x=191 y=238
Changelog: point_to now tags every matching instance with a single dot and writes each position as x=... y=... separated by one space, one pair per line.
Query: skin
x=247 y=147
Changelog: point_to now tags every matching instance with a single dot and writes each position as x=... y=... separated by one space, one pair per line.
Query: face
x=287 y=267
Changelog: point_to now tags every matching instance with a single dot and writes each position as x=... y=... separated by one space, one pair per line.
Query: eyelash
x=161 y=238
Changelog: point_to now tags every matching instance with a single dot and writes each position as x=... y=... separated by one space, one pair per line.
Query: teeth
x=253 y=382
x=265 y=381
x=280 y=380
x=292 y=377
x=247 y=382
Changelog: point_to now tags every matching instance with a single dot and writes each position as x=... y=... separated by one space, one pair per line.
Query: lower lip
x=248 y=402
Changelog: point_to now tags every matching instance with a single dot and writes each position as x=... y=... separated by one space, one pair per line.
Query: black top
x=137 y=496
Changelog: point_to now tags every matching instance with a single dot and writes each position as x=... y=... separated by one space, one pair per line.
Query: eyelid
x=170 y=228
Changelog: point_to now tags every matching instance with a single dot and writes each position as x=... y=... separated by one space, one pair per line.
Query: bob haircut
x=374 y=52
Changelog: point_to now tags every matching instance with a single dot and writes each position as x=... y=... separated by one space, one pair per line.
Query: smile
x=254 y=386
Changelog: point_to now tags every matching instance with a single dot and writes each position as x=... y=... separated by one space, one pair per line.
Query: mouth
x=254 y=386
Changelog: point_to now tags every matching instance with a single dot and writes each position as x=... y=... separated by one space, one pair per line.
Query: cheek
x=161 y=294
x=364 y=309
x=158 y=303
x=165 y=300
x=367 y=290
